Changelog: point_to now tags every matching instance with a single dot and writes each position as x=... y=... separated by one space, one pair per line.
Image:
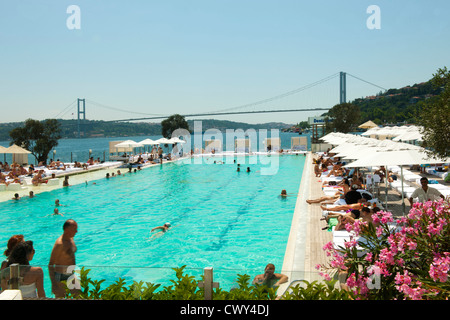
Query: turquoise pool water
x=232 y=221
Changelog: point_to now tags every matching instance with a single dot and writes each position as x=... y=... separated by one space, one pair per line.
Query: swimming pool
x=232 y=221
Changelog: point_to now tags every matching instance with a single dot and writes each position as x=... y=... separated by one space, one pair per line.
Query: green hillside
x=396 y=105
x=92 y=128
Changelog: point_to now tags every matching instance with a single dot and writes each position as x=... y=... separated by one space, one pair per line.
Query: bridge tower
x=81 y=107
x=343 y=88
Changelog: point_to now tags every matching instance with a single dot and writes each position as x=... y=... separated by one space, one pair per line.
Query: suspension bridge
x=242 y=109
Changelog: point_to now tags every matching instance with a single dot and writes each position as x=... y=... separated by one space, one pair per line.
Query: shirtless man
x=37 y=178
x=270 y=278
x=62 y=256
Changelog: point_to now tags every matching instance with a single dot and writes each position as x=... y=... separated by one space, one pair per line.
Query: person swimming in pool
x=163 y=228
x=270 y=278
x=284 y=194
x=57 y=213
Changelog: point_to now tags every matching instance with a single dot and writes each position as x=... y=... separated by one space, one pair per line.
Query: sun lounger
x=53 y=182
x=14 y=187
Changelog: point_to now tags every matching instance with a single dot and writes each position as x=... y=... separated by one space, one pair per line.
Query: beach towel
x=332 y=222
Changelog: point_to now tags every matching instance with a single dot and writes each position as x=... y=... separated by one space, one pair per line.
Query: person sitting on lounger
x=37 y=178
x=355 y=180
x=6 y=167
x=366 y=216
x=317 y=170
x=353 y=196
x=337 y=170
x=3 y=179
x=342 y=222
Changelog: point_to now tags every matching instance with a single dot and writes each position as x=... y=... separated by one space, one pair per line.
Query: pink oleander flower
x=358 y=284
x=432 y=229
x=358 y=226
x=328 y=246
x=326 y=276
x=379 y=231
x=338 y=262
x=403 y=278
x=351 y=244
x=439 y=268
x=400 y=262
x=412 y=245
x=387 y=256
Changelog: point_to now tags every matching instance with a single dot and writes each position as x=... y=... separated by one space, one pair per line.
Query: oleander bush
x=185 y=287
x=404 y=259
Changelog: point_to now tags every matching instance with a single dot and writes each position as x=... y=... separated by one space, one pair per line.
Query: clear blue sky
x=193 y=56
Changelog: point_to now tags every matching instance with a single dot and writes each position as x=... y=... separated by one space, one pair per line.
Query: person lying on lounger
x=344 y=207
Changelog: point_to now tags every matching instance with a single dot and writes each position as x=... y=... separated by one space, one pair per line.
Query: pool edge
x=296 y=248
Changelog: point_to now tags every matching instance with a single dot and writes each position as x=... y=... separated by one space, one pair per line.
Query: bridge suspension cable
x=122 y=110
x=366 y=81
x=65 y=110
x=280 y=95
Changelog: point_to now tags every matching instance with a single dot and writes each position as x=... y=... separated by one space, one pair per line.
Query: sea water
x=70 y=150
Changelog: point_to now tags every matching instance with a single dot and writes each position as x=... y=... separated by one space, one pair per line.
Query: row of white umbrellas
x=397 y=133
x=134 y=144
x=369 y=152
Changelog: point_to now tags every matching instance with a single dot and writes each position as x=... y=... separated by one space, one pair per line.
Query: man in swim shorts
x=62 y=256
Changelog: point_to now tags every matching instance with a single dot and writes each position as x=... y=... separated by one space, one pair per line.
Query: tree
x=434 y=117
x=304 y=125
x=39 y=137
x=342 y=118
x=172 y=123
